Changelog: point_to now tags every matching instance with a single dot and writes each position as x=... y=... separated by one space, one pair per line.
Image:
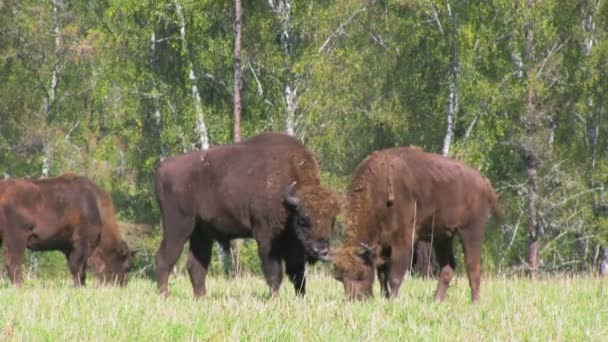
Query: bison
x=266 y=188
x=70 y=214
x=400 y=195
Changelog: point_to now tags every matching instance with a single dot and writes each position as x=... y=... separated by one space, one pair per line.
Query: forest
x=516 y=89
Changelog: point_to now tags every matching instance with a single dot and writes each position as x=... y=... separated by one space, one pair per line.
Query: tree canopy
x=109 y=88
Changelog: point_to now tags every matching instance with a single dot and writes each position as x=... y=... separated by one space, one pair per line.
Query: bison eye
x=303 y=221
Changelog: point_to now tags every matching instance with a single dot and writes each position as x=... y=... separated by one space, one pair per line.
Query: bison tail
x=495 y=205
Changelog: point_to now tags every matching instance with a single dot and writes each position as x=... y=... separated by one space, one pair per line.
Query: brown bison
x=68 y=213
x=401 y=195
x=266 y=188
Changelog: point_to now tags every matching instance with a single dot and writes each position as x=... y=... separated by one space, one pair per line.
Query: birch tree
x=238 y=32
x=50 y=100
x=282 y=10
x=201 y=128
x=453 y=91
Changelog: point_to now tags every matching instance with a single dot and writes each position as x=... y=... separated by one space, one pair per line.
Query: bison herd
x=267 y=188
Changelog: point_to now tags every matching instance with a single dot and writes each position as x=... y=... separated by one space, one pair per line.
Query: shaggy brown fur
x=68 y=213
x=400 y=195
x=112 y=257
x=243 y=191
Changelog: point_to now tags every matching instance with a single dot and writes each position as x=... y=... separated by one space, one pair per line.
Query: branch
x=257 y=80
x=568 y=199
x=502 y=259
x=378 y=39
x=67 y=136
x=160 y=40
x=554 y=48
x=470 y=129
x=144 y=94
x=436 y=18
x=342 y=25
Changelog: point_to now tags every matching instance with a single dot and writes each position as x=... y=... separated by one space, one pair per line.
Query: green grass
x=557 y=309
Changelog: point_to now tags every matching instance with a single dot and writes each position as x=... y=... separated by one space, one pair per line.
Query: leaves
x=381 y=80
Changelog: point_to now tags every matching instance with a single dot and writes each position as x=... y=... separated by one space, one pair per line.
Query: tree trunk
x=283 y=10
x=533 y=228
x=603 y=263
x=50 y=100
x=530 y=152
x=157 y=113
x=49 y=103
x=596 y=109
x=453 y=95
x=201 y=128
x=238 y=31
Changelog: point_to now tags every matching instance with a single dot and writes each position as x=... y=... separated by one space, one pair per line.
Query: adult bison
x=267 y=188
x=399 y=195
x=68 y=213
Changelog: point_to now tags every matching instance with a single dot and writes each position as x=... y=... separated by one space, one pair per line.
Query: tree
x=238 y=32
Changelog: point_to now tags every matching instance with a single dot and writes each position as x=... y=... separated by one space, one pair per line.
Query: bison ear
x=290 y=198
x=370 y=255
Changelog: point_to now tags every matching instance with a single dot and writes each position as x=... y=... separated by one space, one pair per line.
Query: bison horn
x=289 y=195
x=365 y=246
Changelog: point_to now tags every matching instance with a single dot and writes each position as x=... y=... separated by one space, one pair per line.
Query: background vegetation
x=108 y=88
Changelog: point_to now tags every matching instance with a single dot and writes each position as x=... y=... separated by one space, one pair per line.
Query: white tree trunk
x=49 y=101
x=596 y=122
x=283 y=11
x=201 y=128
x=238 y=38
x=453 y=95
x=291 y=104
x=596 y=112
x=155 y=98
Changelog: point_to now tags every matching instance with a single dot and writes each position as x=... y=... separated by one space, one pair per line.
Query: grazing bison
x=267 y=188
x=398 y=196
x=68 y=213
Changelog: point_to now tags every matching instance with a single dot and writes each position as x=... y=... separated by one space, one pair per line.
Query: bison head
x=354 y=267
x=113 y=262
x=313 y=211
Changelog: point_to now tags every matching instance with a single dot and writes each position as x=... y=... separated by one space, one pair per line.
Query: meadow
x=555 y=308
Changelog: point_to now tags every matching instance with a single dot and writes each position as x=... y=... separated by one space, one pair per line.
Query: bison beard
x=266 y=188
x=68 y=213
x=433 y=199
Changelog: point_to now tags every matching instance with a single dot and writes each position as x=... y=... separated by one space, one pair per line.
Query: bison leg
x=199 y=256
x=271 y=266
x=383 y=279
x=175 y=234
x=297 y=275
x=295 y=267
x=447 y=264
x=15 y=250
x=77 y=261
x=401 y=258
x=471 y=239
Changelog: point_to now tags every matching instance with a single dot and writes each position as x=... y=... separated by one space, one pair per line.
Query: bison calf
x=69 y=214
x=266 y=188
x=399 y=195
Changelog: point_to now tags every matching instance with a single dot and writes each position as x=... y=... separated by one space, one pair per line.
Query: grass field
x=557 y=309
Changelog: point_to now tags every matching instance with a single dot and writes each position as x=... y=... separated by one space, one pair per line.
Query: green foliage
x=369 y=74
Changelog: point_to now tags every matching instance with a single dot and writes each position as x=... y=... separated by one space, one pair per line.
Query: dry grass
x=557 y=309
